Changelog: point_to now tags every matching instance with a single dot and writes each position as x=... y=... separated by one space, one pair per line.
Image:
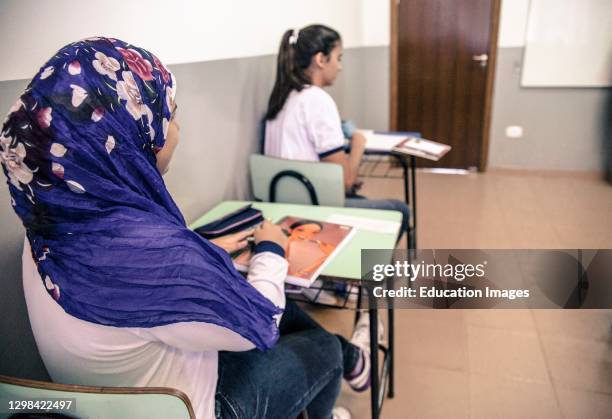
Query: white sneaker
x=340 y=412
x=361 y=332
x=359 y=378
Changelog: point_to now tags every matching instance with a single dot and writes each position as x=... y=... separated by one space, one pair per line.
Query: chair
x=296 y=182
x=101 y=402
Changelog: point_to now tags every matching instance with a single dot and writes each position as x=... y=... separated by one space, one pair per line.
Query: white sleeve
x=323 y=122
x=267 y=274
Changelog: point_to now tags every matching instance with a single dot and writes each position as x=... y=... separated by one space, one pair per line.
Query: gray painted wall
x=220 y=104
x=18 y=353
x=564 y=128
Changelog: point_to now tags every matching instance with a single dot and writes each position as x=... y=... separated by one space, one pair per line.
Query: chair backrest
x=293 y=181
x=101 y=402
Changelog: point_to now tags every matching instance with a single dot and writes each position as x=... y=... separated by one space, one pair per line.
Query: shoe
x=361 y=332
x=340 y=412
x=359 y=378
x=316 y=294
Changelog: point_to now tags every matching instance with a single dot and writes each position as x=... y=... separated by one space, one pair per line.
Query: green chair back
x=100 y=402
x=293 y=178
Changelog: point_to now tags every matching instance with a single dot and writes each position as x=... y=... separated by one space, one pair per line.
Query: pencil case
x=242 y=219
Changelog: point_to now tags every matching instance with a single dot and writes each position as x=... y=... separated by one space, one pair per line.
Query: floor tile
x=503 y=353
x=578 y=363
x=503 y=398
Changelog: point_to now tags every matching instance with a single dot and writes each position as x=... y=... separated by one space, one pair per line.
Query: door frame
x=394 y=76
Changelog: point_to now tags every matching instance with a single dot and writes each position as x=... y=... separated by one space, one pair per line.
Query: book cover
x=311 y=246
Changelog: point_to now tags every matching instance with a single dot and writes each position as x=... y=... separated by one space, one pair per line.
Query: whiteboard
x=568 y=43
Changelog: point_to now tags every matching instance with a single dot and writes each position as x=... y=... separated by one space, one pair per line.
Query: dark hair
x=301 y=223
x=293 y=60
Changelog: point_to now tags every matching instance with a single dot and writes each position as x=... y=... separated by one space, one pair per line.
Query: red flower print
x=141 y=66
x=44 y=117
x=164 y=72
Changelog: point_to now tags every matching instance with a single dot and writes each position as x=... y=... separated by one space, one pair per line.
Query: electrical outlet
x=514 y=131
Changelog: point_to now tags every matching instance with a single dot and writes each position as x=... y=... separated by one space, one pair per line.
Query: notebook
x=421 y=147
x=376 y=141
x=312 y=245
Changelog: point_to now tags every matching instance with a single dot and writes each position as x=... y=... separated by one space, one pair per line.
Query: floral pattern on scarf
x=78 y=150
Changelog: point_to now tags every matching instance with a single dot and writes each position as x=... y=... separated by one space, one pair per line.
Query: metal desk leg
x=374 y=389
x=404 y=164
x=391 y=336
x=414 y=203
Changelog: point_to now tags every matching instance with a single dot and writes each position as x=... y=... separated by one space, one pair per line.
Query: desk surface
x=376 y=152
x=347 y=264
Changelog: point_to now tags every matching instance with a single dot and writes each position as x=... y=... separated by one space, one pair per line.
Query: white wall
x=513 y=23
x=375 y=17
x=568 y=44
x=376 y=22
x=199 y=30
x=181 y=31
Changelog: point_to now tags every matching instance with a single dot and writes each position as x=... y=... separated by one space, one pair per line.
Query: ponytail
x=294 y=56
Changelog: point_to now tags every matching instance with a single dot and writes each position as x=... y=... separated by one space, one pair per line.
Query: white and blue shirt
x=307 y=128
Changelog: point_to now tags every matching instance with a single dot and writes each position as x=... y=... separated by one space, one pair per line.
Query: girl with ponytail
x=297 y=49
x=302 y=121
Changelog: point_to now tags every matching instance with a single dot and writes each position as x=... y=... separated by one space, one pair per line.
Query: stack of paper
x=381 y=142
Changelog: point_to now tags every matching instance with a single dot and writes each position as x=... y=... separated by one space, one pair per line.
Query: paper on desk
x=365 y=224
x=381 y=142
x=426 y=146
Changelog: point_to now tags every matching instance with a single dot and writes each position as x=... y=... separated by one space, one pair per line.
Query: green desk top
x=347 y=264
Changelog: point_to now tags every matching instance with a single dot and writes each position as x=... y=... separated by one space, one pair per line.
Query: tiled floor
x=499 y=363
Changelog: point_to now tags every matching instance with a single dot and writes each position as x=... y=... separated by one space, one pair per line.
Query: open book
x=422 y=148
x=401 y=143
x=312 y=245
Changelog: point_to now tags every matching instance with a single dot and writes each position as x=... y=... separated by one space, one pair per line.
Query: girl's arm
x=349 y=162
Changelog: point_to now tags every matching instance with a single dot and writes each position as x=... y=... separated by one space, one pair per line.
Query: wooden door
x=442 y=67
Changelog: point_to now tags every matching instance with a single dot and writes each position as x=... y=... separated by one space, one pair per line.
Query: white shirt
x=308 y=127
x=180 y=355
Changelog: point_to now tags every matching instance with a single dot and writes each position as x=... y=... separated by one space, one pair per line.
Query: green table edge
x=347 y=264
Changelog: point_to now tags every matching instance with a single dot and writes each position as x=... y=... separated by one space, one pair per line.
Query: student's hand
x=348 y=129
x=271 y=232
x=233 y=242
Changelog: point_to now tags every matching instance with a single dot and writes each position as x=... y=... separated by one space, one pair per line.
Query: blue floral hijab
x=78 y=149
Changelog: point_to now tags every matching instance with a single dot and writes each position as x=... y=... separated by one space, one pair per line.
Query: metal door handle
x=481 y=57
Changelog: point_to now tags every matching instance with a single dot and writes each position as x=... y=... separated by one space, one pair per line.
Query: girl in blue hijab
x=79 y=150
x=119 y=291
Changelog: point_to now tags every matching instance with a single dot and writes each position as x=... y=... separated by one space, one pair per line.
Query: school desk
x=408 y=164
x=345 y=266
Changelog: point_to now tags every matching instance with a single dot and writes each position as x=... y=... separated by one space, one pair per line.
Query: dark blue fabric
x=78 y=149
x=249 y=382
x=268 y=246
x=330 y=152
